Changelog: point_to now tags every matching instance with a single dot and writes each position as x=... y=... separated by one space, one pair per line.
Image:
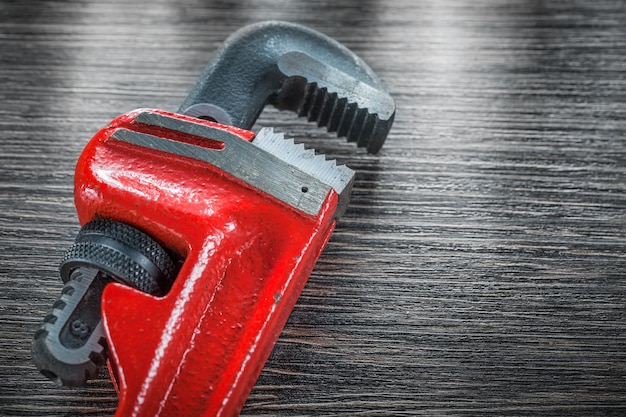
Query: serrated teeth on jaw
x=328 y=172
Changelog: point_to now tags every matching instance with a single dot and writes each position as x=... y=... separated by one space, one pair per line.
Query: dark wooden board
x=481 y=266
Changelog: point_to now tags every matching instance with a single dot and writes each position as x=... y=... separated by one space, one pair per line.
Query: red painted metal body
x=199 y=349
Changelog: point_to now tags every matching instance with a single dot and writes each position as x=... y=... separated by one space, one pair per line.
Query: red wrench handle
x=199 y=349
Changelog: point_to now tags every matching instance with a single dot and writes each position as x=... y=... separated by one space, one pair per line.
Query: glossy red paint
x=199 y=349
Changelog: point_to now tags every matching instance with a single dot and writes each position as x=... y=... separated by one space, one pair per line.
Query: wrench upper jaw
x=354 y=108
x=294 y=68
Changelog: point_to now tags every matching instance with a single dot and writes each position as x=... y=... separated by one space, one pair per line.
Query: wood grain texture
x=481 y=266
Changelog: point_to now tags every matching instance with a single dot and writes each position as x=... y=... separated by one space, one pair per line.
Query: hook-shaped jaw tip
x=294 y=68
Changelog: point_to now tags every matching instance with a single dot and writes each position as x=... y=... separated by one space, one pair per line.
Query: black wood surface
x=480 y=269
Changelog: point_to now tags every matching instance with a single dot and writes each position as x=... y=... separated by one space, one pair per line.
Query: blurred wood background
x=481 y=266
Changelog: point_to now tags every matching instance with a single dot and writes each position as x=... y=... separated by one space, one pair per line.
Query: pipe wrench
x=199 y=234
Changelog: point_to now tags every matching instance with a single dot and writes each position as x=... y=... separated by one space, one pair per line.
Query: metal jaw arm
x=293 y=68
